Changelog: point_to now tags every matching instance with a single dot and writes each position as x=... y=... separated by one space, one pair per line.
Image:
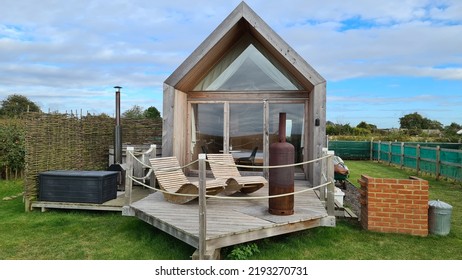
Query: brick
x=420 y=222
x=373 y=210
x=383 y=214
x=397 y=215
x=382 y=195
x=381 y=224
x=381 y=186
x=407 y=192
x=406 y=201
x=421 y=192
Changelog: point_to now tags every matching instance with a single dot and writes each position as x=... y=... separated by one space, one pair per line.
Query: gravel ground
x=351 y=199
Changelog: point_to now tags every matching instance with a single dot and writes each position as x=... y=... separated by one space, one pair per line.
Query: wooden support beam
x=202 y=208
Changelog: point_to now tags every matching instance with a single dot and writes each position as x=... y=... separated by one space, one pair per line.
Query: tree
x=338 y=129
x=367 y=126
x=412 y=121
x=416 y=121
x=136 y=112
x=15 y=105
x=152 y=113
x=452 y=129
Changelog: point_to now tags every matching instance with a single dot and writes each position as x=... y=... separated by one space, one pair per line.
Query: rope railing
x=151 y=169
x=230 y=197
x=162 y=169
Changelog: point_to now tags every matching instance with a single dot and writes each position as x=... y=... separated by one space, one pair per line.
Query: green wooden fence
x=439 y=159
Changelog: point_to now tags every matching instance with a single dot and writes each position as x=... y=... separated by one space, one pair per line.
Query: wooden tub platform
x=110 y=205
x=231 y=222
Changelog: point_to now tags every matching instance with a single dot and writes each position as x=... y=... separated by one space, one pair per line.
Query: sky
x=381 y=59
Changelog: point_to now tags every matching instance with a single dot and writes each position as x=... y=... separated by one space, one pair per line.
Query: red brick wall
x=394 y=205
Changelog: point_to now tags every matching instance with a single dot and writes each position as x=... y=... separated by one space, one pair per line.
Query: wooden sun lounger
x=228 y=170
x=172 y=180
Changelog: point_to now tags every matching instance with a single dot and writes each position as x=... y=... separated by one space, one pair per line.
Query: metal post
x=117 y=130
x=202 y=208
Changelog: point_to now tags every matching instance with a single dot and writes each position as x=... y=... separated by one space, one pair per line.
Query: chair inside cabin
x=250 y=160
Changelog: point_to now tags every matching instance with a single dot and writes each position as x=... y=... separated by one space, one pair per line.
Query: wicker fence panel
x=69 y=142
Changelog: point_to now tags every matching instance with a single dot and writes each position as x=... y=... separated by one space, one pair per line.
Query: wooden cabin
x=227 y=95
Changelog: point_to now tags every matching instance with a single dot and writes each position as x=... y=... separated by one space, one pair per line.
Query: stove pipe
x=117 y=130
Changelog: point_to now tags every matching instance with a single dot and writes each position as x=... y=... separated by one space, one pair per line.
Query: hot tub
x=78 y=186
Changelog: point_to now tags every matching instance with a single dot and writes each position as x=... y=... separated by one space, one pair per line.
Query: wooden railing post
x=202 y=208
x=325 y=162
x=129 y=161
x=150 y=153
x=331 y=185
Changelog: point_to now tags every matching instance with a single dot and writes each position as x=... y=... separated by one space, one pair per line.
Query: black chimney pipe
x=117 y=130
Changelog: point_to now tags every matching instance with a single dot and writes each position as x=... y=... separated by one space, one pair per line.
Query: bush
x=12 y=149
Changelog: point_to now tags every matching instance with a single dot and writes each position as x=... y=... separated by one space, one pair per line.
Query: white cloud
x=85 y=47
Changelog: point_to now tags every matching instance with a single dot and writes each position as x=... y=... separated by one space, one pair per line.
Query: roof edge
x=262 y=28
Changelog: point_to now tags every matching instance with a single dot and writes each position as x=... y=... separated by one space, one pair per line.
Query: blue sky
x=381 y=59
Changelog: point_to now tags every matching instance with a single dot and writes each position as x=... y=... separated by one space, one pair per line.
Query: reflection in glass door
x=207 y=121
x=294 y=125
x=246 y=133
x=239 y=128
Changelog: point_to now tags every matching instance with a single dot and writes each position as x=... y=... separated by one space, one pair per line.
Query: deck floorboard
x=234 y=221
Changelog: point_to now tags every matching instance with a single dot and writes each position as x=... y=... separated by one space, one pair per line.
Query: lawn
x=86 y=235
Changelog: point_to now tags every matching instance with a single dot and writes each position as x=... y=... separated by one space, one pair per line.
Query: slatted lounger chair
x=172 y=180
x=228 y=170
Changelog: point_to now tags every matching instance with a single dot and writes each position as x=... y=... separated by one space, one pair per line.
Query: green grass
x=72 y=235
x=79 y=235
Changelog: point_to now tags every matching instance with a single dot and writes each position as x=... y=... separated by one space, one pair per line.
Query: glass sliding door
x=294 y=125
x=246 y=132
x=207 y=124
x=239 y=128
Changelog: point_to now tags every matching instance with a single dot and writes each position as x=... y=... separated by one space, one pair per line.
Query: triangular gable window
x=247 y=67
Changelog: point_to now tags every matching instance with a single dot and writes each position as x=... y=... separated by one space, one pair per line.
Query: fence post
x=379 y=150
x=389 y=152
x=417 y=158
x=402 y=155
x=371 y=152
x=202 y=208
x=438 y=162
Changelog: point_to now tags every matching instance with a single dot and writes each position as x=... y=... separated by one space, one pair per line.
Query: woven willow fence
x=69 y=142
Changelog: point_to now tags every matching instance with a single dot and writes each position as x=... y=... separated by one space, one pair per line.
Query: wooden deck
x=231 y=222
